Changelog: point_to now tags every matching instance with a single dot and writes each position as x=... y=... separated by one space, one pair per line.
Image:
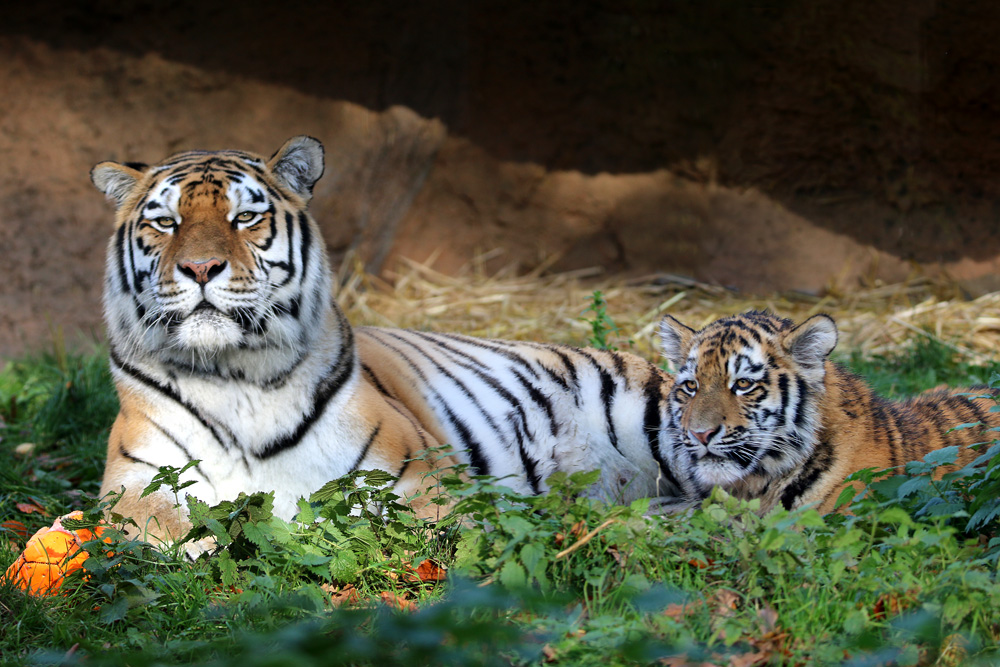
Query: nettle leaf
x=227 y=568
x=943 y=456
x=281 y=532
x=114 y=611
x=259 y=534
x=513 y=576
x=984 y=515
x=895 y=515
x=306 y=512
x=846 y=495
x=913 y=485
x=532 y=556
x=327 y=492
x=938 y=507
x=222 y=535
x=344 y=566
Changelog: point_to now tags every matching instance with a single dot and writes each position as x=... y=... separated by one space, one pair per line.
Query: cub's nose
x=704 y=436
x=202 y=272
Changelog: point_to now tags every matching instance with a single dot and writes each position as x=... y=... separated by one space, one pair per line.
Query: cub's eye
x=690 y=386
x=245 y=216
x=742 y=384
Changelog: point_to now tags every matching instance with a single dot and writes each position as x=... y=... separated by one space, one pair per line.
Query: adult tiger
x=225 y=344
x=226 y=347
x=759 y=410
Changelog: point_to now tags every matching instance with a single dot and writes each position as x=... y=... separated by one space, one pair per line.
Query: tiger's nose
x=704 y=436
x=202 y=272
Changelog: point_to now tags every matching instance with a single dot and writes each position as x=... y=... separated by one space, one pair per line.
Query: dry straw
x=874 y=320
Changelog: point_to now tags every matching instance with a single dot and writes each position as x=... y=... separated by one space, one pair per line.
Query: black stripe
x=177 y=443
x=540 y=399
x=496 y=347
x=374 y=379
x=607 y=396
x=167 y=391
x=800 y=413
x=783 y=390
x=134 y=459
x=472 y=446
x=527 y=462
x=368 y=444
x=488 y=379
x=883 y=420
x=402 y=468
x=328 y=387
x=448 y=374
x=652 y=423
x=305 y=242
x=817 y=464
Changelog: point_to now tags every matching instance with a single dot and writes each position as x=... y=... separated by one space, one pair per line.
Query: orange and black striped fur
x=226 y=346
x=759 y=410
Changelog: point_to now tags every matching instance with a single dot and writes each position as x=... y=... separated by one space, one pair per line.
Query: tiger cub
x=758 y=409
x=227 y=348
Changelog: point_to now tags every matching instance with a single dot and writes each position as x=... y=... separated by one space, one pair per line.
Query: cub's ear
x=298 y=165
x=811 y=342
x=115 y=180
x=675 y=338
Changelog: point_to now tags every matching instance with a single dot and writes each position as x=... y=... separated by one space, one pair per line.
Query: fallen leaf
x=398 y=601
x=340 y=596
x=431 y=571
x=678 y=611
x=29 y=508
x=768 y=619
x=15 y=527
x=725 y=601
x=549 y=653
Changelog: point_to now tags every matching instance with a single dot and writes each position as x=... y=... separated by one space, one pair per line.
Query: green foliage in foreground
x=909 y=579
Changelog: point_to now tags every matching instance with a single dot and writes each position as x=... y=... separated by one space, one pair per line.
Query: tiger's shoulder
x=760 y=410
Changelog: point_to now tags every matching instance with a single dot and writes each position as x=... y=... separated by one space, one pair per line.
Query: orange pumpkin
x=50 y=555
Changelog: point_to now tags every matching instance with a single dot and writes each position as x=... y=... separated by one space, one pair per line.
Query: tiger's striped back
x=522 y=410
x=759 y=410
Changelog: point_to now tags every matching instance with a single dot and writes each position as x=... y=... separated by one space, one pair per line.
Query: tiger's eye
x=743 y=383
x=165 y=221
x=245 y=216
x=690 y=386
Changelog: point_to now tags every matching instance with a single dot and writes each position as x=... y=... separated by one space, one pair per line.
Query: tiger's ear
x=115 y=180
x=811 y=342
x=675 y=338
x=298 y=165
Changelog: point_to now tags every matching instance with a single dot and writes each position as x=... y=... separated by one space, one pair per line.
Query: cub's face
x=212 y=251
x=744 y=407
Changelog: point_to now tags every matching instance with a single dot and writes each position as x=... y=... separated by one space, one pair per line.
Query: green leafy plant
x=601 y=323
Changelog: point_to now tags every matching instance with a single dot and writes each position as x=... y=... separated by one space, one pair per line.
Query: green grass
x=902 y=581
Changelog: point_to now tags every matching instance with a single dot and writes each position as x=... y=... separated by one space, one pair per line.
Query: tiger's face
x=214 y=253
x=744 y=407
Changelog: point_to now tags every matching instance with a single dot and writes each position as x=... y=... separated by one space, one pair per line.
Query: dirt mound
x=396 y=185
